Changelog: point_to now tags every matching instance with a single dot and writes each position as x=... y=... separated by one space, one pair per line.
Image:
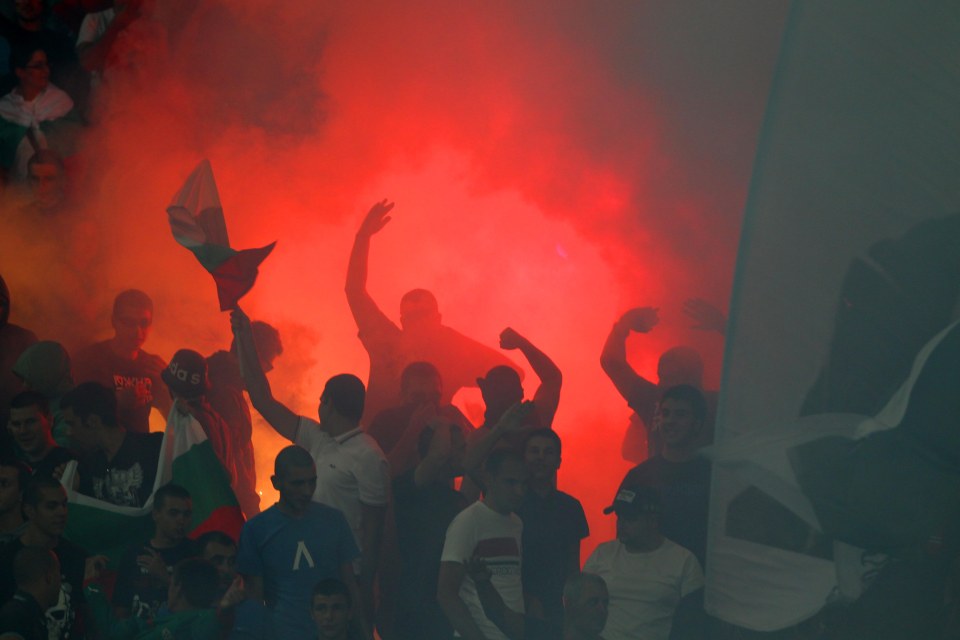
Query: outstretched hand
x=376 y=219
x=641 y=319
x=510 y=339
x=706 y=317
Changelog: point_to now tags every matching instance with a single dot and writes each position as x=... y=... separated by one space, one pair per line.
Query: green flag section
x=187 y=459
x=196 y=219
x=837 y=452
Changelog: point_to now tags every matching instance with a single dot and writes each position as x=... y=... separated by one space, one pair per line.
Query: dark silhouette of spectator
x=332 y=610
x=31 y=425
x=14 y=476
x=420 y=337
x=651 y=579
x=117 y=466
x=397 y=430
x=32 y=114
x=678 y=365
x=287 y=549
x=584 y=613
x=352 y=470
x=45 y=367
x=186 y=380
x=31 y=26
x=553 y=526
x=490 y=529
x=143 y=575
x=45 y=507
x=121 y=363
x=681 y=476
x=424 y=505
x=36 y=573
x=226 y=398
x=14 y=339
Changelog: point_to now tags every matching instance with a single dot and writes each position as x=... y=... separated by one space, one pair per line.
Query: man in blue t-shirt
x=287 y=549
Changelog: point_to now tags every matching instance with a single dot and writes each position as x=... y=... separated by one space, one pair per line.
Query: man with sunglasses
x=121 y=363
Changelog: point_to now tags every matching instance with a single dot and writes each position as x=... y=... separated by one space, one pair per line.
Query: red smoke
x=553 y=164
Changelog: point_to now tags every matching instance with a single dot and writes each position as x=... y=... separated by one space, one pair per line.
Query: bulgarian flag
x=187 y=459
x=196 y=219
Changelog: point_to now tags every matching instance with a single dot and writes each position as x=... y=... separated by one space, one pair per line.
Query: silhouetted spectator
x=678 y=365
x=553 y=526
x=420 y=336
x=681 y=476
x=36 y=572
x=45 y=506
x=352 y=471
x=31 y=112
x=186 y=380
x=424 y=505
x=31 y=425
x=287 y=549
x=117 y=466
x=14 y=476
x=44 y=367
x=220 y=550
x=121 y=363
x=397 y=430
x=226 y=398
x=490 y=529
x=14 y=340
x=143 y=575
x=650 y=578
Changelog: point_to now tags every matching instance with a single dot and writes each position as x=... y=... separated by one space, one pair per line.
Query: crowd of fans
x=396 y=515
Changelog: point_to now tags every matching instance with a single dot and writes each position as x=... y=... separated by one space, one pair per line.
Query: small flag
x=196 y=220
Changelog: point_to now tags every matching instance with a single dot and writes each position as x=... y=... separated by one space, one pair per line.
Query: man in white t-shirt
x=652 y=581
x=488 y=529
x=352 y=472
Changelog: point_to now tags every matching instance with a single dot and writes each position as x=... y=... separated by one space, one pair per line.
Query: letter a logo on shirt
x=303 y=553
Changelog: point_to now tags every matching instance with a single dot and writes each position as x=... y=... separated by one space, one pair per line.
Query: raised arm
x=706 y=317
x=361 y=304
x=274 y=412
x=547 y=396
x=613 y=358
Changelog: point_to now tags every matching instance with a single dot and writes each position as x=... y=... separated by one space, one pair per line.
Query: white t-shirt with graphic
x=480 y=531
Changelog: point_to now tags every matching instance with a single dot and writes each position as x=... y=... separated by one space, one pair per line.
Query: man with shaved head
x=287 y=549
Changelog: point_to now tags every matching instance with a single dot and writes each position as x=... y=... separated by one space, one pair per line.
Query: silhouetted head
x=88 y=409
x=30 y=423
x=680 y=365
x=585 y=604
x=32 y=70
x=194 y=585
x=220 y=550
x=131 y=319
x=505 y=480
x=37 y=571
x=172 y=512
x=501 y=389
x=541 y=452
x=419 y=311
x=420 y=383
x=681 y=414
x=344 y=396
x=267 y=341
x=331 y=609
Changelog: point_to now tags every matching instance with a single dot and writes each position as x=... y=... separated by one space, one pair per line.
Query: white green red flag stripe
x=196 y=219
x=187 y=459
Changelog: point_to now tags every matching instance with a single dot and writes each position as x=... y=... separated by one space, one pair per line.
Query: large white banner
x=838 y=432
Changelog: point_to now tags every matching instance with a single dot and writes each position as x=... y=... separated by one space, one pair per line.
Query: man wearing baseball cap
x=647 y=575
x=186 y=378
